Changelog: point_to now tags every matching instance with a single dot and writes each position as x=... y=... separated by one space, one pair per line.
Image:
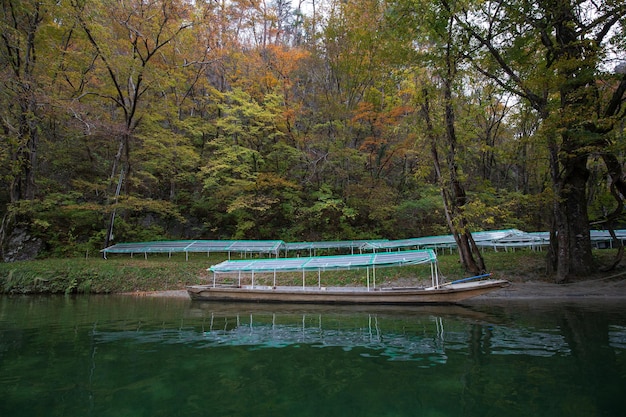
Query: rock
x=21 y=246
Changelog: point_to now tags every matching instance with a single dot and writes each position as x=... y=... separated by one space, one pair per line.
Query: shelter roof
x=325 y=263
x=257 y=246
x=336 y=244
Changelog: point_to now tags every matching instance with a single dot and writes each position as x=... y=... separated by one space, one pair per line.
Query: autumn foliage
x=302 y=120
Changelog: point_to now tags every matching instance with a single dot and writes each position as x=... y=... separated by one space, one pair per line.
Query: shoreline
x=529 y=290
x=166 y=277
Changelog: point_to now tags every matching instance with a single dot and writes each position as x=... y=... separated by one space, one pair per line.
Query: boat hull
x=450 y=293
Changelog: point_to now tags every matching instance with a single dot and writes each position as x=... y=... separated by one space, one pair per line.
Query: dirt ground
x=543 y=290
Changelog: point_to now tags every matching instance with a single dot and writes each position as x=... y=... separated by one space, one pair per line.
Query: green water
x=124 y=356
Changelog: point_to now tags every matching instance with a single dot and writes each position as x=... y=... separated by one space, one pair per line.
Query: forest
x=137 y=120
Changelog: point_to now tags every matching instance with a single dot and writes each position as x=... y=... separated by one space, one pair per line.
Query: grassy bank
x=159 y=272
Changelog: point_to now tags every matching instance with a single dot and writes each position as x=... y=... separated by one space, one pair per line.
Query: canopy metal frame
x=321 y=264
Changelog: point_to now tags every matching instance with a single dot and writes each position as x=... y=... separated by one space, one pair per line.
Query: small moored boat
x=438 y=292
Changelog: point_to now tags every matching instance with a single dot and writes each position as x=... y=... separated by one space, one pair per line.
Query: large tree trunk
x=569 y=254
x=573 y=243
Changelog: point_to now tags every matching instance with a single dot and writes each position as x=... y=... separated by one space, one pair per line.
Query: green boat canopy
x=328 y=263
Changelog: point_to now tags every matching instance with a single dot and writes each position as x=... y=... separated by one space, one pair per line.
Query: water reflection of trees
x=587 y=333
x=581 y=375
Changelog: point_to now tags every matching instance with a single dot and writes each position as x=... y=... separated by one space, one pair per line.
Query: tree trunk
x=453 y=197
x=573 y=242
x=471 y=258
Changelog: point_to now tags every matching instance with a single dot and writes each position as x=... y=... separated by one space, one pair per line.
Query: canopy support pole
x=374 y=275
x=432 y=275
x=303 y=283
x=319 y=278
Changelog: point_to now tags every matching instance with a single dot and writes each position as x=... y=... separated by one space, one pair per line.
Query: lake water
x=124 y=356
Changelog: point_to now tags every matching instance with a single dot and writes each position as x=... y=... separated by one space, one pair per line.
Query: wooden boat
x=445 y=293
x=369 y=294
